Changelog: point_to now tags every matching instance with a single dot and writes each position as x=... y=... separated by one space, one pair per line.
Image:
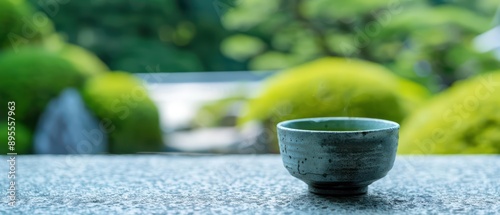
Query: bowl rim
x=393 y=125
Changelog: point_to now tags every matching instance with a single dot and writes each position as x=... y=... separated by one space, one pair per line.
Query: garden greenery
x=464 y=119
x=122 y=104
x=31 y=77
x=334 y=87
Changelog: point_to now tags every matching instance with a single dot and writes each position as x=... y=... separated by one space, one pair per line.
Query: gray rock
x=68 y=127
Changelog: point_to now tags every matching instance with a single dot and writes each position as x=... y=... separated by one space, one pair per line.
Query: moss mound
x=122 y=103
x=218 y=113
x=31 y=77
x=86 y=61
x=22 y=138
x=19 y=25
x=83 y=59
x=465 y=119
x=334 y=87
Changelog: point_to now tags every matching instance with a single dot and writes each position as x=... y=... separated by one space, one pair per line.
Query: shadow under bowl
x=338 y=155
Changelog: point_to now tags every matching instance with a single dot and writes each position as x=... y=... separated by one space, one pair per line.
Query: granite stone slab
x=241 y=184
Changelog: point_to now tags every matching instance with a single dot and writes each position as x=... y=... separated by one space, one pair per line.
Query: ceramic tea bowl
x=338 y=155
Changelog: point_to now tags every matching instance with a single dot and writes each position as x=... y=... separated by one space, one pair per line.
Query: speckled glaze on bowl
x=338 y=155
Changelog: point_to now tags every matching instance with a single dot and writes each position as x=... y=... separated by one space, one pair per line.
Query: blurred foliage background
x=37 y=64
x=334 y=87
x=428 y=41
x=423 y=45
x=129 y=35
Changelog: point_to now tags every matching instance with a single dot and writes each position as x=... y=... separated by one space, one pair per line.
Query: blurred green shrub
x=137 y=55
x=174 y=35
x=219 y=113
x=122 y=103
x=31 y=77
x=436 y=50
x=19 y=25
x=83 y=59
x=22 y=135
x=464 y=119
x=39 y=65
x=421 y=41
x=334 y=87
x=241 y=47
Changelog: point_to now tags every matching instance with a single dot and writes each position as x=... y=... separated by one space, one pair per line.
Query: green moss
x=31 y=77
x=22 y=137
x=334 y=87
x=464 y=119
x=19 y=25
x=89 y=63
x=122 y=103
x=218 y=113
x=83 y=59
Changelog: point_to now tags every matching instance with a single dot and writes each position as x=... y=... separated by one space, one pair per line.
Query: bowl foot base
x=338 y=191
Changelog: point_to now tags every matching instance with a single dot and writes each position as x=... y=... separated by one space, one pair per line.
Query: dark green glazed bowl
x=338 y=155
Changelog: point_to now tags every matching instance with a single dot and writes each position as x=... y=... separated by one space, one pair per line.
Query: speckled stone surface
x=247 y=184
